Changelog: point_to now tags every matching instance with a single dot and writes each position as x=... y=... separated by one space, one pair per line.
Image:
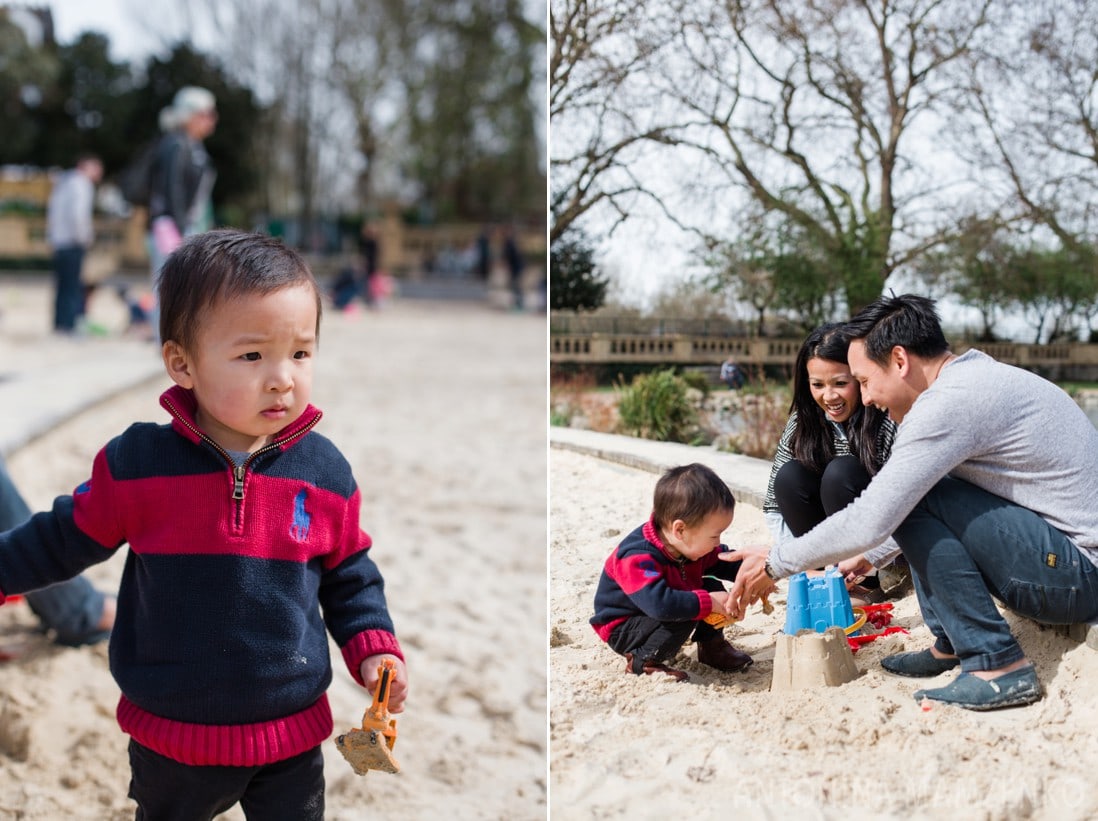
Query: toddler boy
x=243 y=529
x=657 y=587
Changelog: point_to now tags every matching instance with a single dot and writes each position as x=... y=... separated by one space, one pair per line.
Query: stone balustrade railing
x=1061 y=360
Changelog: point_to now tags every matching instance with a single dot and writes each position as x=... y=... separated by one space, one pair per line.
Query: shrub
x=566 y=396
x=698 y=381
x=559 y=419
x=763 y=413
x=655 y=406
x=764 y=417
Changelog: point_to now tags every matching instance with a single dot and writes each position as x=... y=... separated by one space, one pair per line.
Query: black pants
x=655 y=641
x=165 y=790
x=806 y=498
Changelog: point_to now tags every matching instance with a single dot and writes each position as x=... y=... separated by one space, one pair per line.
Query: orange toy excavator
x=371 y=748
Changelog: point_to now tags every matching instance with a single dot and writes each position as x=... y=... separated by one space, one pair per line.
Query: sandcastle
x=810 y=659
x=813 y=650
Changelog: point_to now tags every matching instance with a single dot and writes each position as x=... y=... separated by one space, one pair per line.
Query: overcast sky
x=111 y=17
x=135 y=28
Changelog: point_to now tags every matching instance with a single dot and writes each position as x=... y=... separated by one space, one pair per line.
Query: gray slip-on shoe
x=920 y=664
x=1013 y=689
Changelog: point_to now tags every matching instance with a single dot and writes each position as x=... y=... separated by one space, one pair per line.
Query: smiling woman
x=832 y=443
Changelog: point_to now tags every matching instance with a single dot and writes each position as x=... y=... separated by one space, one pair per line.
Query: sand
x=722 y=745
x=440 y=408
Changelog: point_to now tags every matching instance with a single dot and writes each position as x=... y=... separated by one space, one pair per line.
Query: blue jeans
x=156 y=262
x=71 y=609
x=966 y=546
x=69 y=296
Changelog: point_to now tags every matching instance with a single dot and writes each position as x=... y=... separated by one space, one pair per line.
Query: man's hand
x=751 y=580
x=398 y=682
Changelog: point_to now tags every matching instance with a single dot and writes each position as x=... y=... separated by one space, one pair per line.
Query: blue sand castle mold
x=817 y=603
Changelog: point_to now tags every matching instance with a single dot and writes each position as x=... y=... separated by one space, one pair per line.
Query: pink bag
x=165 y=235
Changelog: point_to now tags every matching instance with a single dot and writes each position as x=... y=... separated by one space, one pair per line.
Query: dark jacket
x=641 y=578
x=176 y=178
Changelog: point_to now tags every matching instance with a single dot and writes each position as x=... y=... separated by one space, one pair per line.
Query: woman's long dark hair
x=813 y=442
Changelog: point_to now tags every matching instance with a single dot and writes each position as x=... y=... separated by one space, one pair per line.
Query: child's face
x=703 y=538
x=252 y=365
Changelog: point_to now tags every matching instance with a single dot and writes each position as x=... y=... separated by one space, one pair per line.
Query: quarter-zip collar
x=652 y=535
x=183 y=407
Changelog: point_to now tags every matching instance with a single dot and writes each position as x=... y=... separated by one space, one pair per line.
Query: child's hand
x=720 y=602
x=398 y=683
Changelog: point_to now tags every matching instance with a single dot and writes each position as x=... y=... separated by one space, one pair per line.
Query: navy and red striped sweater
x=219 y=645
x=641 y=579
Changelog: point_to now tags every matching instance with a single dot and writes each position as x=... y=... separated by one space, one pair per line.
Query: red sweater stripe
x=263 y=529
x=231 y=745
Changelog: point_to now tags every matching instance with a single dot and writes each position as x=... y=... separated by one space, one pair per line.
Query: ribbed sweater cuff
x=705 y=603
x=234 y=745
x=365 y=644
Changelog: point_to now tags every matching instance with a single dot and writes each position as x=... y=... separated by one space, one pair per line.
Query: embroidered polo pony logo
x=299 y=530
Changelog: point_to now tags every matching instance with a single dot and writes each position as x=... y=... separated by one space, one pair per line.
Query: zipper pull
x=238 y=482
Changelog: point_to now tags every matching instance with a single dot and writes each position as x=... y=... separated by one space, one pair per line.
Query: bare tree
x=1037 y=111
x=813 y=110
x=437 y=93
x=366 y=51
x=603 y=54
x=472 y=114
x=286 y=52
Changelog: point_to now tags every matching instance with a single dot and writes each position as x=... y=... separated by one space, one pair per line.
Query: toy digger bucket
x=371 y=748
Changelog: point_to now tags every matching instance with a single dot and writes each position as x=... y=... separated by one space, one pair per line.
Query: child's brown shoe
x=718 y=653
x=650 y=667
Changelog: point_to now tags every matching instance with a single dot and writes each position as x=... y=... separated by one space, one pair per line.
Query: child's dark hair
x=689 y=492
x=214 y=266
x=813 y=442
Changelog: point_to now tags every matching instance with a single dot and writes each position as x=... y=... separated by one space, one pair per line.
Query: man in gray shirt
x=990 y=491
x=70 y=233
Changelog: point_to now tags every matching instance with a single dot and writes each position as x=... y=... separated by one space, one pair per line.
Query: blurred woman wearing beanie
x=181 y=178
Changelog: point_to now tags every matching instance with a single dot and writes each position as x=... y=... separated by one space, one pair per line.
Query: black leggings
x=165 y=790
x=806 y=498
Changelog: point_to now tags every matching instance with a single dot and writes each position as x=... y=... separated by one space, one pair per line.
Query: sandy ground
x=721 y=745
x=440 y=408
